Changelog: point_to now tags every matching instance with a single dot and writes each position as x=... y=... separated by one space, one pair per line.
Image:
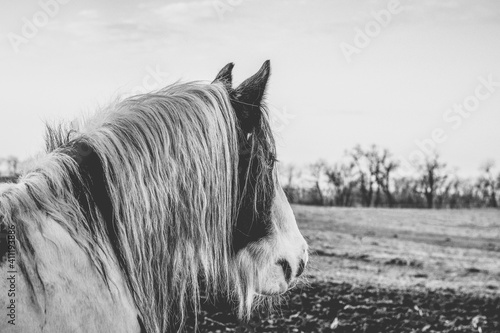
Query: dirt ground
x=387 y=270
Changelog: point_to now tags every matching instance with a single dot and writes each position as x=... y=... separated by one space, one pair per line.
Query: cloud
x=442 y=11
x=90 y=14
x=452 y=10
x=140 y=23
x=187 y=12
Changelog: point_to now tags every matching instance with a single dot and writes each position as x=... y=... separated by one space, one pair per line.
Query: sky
x=407 y=75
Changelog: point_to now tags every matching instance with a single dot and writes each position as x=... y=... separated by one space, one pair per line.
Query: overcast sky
x=426 y=58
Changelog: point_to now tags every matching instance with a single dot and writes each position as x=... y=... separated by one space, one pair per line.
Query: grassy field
x=388 y=270
x=458 y=249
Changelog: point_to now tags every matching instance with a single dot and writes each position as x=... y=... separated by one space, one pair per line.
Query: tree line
x=370 y=177
x=9 y=169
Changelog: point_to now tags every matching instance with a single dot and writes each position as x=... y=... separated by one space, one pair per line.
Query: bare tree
x=317 y=170
x=432 y=177
x=366 y=169
x=406 y=192
x=385 y=166
x=498 y=183
x=12 y=163
x=290 y=172
x=374 y=168
x=488 y=185
x=343 y=179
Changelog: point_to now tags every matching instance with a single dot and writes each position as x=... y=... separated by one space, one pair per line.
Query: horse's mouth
x=275 y=293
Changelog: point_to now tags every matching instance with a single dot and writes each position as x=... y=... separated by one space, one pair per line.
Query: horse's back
x=63 y=292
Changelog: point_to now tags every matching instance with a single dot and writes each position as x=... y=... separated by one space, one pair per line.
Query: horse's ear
x=248 y=98
x=225 y=76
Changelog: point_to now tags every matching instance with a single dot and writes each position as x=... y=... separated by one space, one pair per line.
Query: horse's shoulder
x=71 y=296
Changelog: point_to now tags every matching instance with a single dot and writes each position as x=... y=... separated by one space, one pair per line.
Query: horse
x=157 y=198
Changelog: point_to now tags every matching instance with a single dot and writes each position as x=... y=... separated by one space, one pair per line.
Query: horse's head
x=163 y=192
x=269 y=250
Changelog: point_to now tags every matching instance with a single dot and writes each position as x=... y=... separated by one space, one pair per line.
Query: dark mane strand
x=257 y=190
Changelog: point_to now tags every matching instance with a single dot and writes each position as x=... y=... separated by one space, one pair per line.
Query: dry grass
x=404 y=248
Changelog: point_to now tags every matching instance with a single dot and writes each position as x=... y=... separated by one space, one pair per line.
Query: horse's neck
x=64 y=282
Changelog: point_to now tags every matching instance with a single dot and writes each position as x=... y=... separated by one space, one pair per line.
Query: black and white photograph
x=249 y=166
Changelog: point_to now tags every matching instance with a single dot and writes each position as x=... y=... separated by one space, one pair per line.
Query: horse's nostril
x=287 y=269
x=302 y=265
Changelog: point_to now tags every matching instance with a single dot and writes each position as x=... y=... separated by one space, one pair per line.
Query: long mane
x=158 y=193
